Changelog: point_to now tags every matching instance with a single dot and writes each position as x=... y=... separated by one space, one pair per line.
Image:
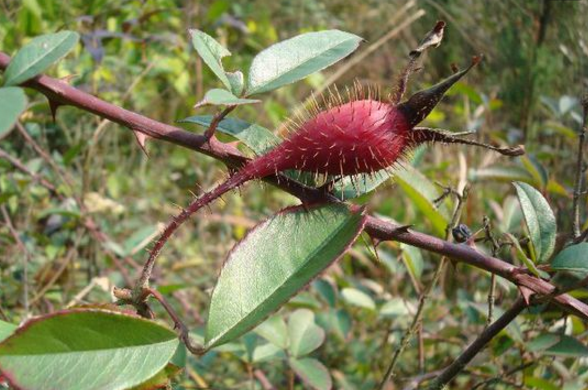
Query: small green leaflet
x=13 y=101
x=38 y=55
x=211 y=53
x=540 y=220
x=295 y=58
x=573 y=258
x=257 y=138
x=222 y=97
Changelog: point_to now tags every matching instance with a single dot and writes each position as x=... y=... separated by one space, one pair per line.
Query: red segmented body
x=362 y=136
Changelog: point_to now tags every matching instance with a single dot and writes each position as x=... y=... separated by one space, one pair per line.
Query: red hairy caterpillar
x=360 y=136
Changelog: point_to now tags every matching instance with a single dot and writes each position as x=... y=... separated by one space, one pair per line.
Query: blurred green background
x=137 y=54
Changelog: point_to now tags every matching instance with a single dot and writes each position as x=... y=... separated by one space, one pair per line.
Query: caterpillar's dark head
x=420 y=105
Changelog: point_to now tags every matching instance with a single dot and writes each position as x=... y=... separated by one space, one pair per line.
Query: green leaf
x=161 y=380
x=499 y=173
x=267 y=352
x=413 y=259
x=305 y=336
x=89 y=349
x=349 y=188
x=522 y=256
x=312 y=372
x=38 y=55
x=538 y=171
x=294 y=59
x=274 y=261
x=336 y=321
x=13 y=101
x=237 y=82
x=358 y=298
x=395 y=307
x=222 y=97
x=212 y=53
x=274 y=330
x=567 y=346
x=543 y=341
x=540 y=220
x=422 y=193
x=257 y=138
x=326 y=291
x=572 y=258
x=6 y=329
x=542 y=384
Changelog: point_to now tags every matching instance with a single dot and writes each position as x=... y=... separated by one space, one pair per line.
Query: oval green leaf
x=312 y=372
x=522 y=256
x=573 y=258
x=257 y=138
x=423 y=192
x=500 y=173
x=353 y=187
x=274 y=261
x=539 y=218
x=305 y=336
x=13 y=101
x=38 y=55
x=358 y=298
x=274 y=330
x=6 y=329
x=543 y=341
x=413 y=259
x=237 y=82
x=222 y=97
x=211 y=53
x=294 y=59
x=89 y=349
x=567 y=346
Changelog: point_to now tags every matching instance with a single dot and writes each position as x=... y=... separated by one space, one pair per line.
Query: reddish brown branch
x=65 y=94
x=178 y=323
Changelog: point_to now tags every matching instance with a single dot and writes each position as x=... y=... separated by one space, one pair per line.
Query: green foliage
x=6 y=329
x=540 y=221
x=259 y=139
x=341 y=328
x=221 y=97
x=312 y=372
x=38 y=55
x=12 y=103
x=298 y=57
x=212 y=53
x=573 y=258
x=423 y=194
x=105 y=348
x=259 y=275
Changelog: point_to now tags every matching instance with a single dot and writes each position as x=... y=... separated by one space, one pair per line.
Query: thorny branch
x=483 y=339
x=61 y=93
x=416 y=320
